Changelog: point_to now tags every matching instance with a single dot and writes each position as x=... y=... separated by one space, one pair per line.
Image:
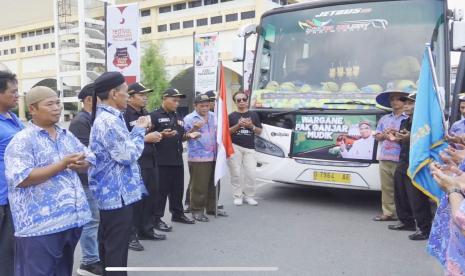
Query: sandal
x=384 y=218
x=200 y=217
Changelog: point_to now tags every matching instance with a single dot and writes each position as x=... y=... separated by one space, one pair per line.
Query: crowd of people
x=105 y=181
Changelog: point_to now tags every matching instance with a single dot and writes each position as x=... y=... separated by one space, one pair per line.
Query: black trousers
x=6 y=241
x=411 y=204
x=113 y=237
x=144 y=209
x=170 y=185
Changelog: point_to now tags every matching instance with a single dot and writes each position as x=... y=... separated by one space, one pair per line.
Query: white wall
x=39 y=64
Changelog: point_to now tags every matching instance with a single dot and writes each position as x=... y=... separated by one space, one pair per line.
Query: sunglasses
x=239 y=100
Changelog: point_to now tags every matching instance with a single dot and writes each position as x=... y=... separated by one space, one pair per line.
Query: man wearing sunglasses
x=243 y=125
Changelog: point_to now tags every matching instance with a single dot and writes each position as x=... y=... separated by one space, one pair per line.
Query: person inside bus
x=388 y=155
x=300 y=75
x=412 y=205
x=363 y=147
x=458 y=128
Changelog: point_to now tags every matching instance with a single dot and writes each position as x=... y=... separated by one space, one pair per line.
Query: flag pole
x=218 y=76
x=436 y=87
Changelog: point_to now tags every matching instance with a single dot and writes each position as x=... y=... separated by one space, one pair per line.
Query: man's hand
x=167 y=133
x=403 y=135
x=198 y=125
x=456 y=155
x=445 y=181
x=194 y=135
x=79 y=166
x=153 y=137
x=242 y=122
x=249 y=124
x=143 y=122
x=75 y=161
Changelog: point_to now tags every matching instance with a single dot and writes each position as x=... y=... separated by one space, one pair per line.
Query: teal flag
x=427 y=135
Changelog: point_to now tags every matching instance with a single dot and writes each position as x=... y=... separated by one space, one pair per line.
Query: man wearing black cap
x=80 y=126
x=411 y=204
x=143 y=210
x=170 y=163
x=115 y=179
x=212 y=99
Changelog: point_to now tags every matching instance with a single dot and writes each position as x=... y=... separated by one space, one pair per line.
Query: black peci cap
x=108 y=81
x=86 y=91
x=172 y=92
x=138 y=87
x=201 y=98
x=211 y=95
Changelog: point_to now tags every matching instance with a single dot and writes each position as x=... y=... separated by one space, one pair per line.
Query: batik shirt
x=115 y=180
x=458 y=128
x=58 y=203
x=202 y=149
x=389 y=150
x=447 y=240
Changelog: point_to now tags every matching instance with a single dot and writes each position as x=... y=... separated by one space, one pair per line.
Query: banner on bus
x=205 y=62
x=123 y=45
x=335 y=137
x=248 y=68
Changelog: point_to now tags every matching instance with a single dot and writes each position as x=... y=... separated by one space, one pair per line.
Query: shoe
x=238 y=201
x=402 y=227
x=152 y=236
x=251 y=201
x=187 y=209
x=200 y=217
x=220 y=206
x=162 y=226
x=220 y=213
x=419 y=236
x=384 y=218
x=183 y=219
x=95 y=269
x=135 y=245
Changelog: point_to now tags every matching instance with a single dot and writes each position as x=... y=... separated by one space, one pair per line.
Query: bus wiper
x=351 y=102
x=302 y=109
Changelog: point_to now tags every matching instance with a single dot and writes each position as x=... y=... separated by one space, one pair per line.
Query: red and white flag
x=223 y=137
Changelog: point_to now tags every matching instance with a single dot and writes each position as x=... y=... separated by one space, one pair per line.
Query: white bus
x=318 y=68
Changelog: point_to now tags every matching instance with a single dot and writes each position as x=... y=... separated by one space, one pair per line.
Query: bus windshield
x=341 y=57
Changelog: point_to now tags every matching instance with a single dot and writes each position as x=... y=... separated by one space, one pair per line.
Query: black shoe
x=188 y=209
x=162 y=226
x=220 y=213
x=220 y=206
x=95 y=269
x=419 y=236
x=402 y=227
x=135 y=245
x=152 y=236
x=200 y=217
x=183 y=219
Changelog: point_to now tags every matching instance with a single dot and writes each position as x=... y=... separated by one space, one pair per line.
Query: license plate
x=332 y=177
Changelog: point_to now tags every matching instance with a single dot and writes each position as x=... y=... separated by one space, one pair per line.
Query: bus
x=318 y=68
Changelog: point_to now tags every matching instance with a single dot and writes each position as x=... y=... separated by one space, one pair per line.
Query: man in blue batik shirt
x=47 y=200
x=115 y=180
x=10 y=125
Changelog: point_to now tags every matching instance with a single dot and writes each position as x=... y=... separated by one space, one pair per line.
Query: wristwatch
x=454 y=190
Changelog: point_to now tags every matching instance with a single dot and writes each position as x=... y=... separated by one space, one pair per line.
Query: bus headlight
x=266 y=147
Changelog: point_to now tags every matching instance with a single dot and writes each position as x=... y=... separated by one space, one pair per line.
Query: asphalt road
x=298 y=230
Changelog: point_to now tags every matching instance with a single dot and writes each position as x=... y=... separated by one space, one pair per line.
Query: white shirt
x=361 y=149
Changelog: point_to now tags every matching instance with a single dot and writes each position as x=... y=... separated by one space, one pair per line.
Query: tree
x=154 y=75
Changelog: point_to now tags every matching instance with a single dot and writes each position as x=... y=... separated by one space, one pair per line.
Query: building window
x=162 y=28
x=144 y=13
x=225 y=1
x=231 y=17
x=52 y=44
x=29 y=48
x=188 y=24
x=1 y=39
x=210 y=2
x=45 y=46
x=39 y=32
x=6 y=38
x=13 y=51
x=47 y=31
x=195 y=4
x=202 y=22
x=37 y=47
x=13 y=37
x=23 y=35
x=53 y=29
x=164 y=9
x=180 y=6
x=175 y=26
x=147 y=30
x=216 y=19
x=247 y=15
x=31 y=34
x=22 y=49
x=5 y=52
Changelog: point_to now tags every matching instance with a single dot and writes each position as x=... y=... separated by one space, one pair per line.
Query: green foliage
x=154 y=75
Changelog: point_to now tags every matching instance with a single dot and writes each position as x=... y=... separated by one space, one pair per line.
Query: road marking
x=194 y=269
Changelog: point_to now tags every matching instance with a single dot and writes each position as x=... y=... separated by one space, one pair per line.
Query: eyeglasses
x=241 y=100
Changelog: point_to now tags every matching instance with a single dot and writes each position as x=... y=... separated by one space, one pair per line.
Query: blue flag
x=427 y=135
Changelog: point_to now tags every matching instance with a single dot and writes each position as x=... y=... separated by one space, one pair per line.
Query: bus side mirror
x=238 y=51
x=458 y=36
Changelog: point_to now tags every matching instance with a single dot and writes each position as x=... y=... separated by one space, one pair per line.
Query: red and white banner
x=123 y=45
x=223 y=137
